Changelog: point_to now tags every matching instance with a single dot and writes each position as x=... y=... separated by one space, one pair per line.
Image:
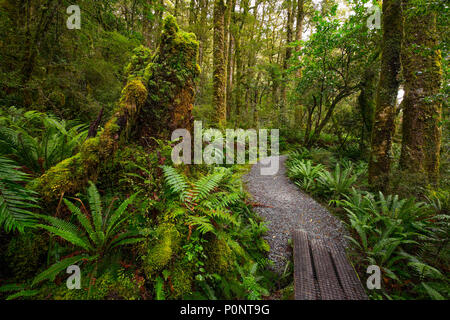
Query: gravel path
x=285 y=208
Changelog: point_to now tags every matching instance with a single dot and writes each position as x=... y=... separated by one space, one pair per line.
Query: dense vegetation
x=86 y=117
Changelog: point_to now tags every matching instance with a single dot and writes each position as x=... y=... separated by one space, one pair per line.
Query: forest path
x=286 y=208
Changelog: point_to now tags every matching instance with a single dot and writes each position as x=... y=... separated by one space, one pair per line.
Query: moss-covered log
x=422 y=70
x=171 y=84
x=386 y=100
x=71 y=174
x=153 y=109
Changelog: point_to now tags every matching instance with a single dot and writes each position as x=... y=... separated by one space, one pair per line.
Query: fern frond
x=15 y=200
x=205 y=185
x=203 y=224
x=95 y=205
x=117 y=214
x=56 y=268
x=68 y=236
x=84 y=221
x=176 y=181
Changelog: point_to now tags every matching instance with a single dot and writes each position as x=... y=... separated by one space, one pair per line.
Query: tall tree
x=287 y=55
x=422 y=71
x=219 y=62
x=384 y=125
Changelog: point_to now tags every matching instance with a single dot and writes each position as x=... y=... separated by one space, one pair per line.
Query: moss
x=386 y=98
x=161 y=251
x=111 y=285
x=181 y=280
x=139 y=61
x=171 y=81
x=134 y=93
x=287 y=293
x=25 y=255
x=220 y=257
x=219 y=55
x=71 y=175
x=422 y=109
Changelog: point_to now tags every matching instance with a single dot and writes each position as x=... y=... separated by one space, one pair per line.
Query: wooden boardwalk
x=322 y=271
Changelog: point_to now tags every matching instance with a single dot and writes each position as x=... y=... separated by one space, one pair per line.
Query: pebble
x=290 y=209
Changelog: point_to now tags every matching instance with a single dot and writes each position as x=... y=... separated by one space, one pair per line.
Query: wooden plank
x=330 y=288
x=304 y=279
x=351 y=285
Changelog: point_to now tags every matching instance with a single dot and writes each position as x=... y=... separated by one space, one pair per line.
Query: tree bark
x=219 y=62
x=386 y=100
x=287 y=56
x=422 y=109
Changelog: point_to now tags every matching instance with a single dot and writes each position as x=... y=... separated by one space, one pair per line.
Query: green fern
x=16 y=201
x=207 y=199
x=96 y=238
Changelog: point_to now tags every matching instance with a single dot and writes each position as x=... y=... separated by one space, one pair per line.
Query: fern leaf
x=56 y=268
x=15 y=200
x=95 y=205
x=69 y=236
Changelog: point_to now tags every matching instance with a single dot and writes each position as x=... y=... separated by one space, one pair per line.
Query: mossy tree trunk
x=422 y=109
x=219 y=62
x=287 y=55
x=366 y=104
x=151 y=106
x=230 y=12
x=386 y=99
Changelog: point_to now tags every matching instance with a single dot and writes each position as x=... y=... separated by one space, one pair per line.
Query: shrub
x=97 y=238
x=336 y=183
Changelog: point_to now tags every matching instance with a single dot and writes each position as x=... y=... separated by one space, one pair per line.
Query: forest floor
x=285 y=208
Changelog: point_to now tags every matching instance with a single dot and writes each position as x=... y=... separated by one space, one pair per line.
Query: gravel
x=285 y=207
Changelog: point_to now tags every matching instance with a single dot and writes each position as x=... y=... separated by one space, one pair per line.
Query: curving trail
x=286 y=208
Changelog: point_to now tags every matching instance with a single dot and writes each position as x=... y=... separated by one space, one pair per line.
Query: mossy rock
x=161 y=250
x=220 y=256
x=182 y=278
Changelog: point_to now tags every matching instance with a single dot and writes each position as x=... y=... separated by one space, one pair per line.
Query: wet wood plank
x=322 y=271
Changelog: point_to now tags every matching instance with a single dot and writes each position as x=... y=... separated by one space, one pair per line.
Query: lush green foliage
x=99 y=235
x=406 y=238
x=38 y=141
x=16 y=202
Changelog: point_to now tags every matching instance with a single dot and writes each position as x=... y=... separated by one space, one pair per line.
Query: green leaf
x=56 y=268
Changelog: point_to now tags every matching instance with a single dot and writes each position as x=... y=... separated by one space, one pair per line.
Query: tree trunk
x=287 y=56
x=219 y=62
x=139 y=116
x=384 y=126
x=422 y=72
